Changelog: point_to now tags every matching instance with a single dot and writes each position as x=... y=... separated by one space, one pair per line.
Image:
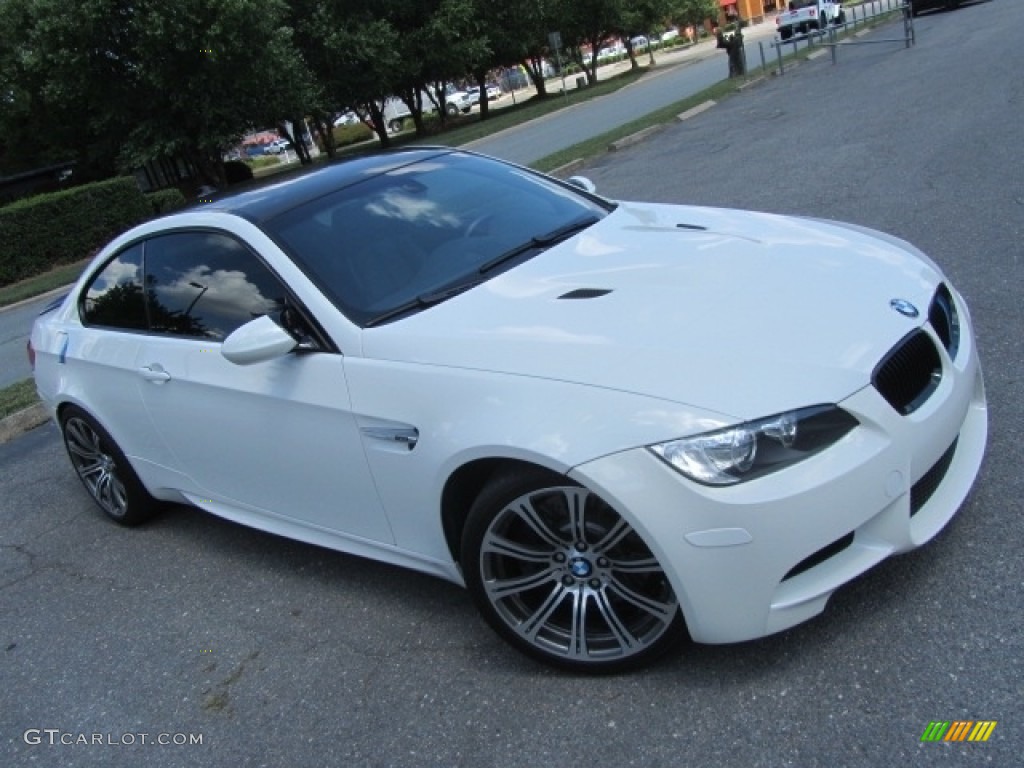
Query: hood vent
x=585 y=293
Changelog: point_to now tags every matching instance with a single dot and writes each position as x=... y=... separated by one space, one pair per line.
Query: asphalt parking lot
x=276 y=653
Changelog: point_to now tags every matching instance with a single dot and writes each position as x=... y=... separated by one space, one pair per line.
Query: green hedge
x=46 y=231
x=352 y=134
x=166 y=200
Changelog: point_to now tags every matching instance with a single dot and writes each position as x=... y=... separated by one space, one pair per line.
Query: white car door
x=276 y=437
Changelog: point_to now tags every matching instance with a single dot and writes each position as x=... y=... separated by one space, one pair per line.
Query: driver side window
x=206 y=284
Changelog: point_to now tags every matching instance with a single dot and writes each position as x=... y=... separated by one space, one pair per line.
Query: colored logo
x=904 y=307
x=958 y=730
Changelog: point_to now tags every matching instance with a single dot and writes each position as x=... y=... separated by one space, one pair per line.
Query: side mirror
x=257 y=341
x=583 y=183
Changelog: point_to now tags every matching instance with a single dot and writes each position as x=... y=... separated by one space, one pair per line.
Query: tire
x=563 y=578
x=785 y=33
x=104 y=470
x=452 y=110
x=395 y=126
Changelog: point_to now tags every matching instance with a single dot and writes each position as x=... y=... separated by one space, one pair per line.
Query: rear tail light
x=30 y=350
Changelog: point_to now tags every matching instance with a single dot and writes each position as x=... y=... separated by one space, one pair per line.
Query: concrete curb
x=42 y=296
x=694 y=111
x=634 y=138
x=564 y=170
x=18 y=423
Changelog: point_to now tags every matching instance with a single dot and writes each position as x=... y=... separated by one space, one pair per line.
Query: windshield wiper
x=422 y=301
x=546 y=240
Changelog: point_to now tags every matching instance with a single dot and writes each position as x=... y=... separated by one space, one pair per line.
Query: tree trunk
x=535 y=69
x=481 y=83
x=633 y=63
x=323 y=127
x=376 y=113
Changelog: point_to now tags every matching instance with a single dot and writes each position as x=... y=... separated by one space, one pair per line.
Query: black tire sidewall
x=141 y=506
x=489 y=504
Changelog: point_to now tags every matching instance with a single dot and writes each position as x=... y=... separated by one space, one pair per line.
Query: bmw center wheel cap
x=580 y=567
x=904 y=307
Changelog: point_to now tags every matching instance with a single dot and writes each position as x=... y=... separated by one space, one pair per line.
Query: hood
x=743 y=313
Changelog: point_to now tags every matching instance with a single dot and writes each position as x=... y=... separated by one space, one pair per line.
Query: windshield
x=393 y=243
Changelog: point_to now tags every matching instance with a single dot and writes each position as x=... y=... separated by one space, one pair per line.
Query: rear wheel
x=104 y=470
x=564 y=578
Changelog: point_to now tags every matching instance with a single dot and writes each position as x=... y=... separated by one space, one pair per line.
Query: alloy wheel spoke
x=103 y=490
x=82 y=439
x=86 y=471
x=535 y=622
x=576 y=503
x=499 y=546
x=625 y=638
x=81 y=451
x=526 y=511
x=644 y=565
x=499 y=589
x=662 y=611
x=609 y=541
x=578 y=630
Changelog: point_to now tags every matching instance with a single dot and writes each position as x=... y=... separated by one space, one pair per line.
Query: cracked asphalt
x=281 y=654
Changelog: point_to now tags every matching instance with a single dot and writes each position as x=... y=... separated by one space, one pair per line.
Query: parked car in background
x=493 y=91
x=457 y=100
x=346 y=118
x=278 y=146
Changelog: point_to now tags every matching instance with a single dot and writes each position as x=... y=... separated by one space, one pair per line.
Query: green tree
x=586 y=26
x=641 y=17
x=66 y=81
x=205 y=72
x=353 y=52
x=116 y=83
x=693 y=12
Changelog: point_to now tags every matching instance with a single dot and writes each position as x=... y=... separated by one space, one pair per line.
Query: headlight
x=755 y=448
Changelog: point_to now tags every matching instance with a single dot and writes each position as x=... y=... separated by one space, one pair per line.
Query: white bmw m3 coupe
x=615 y=423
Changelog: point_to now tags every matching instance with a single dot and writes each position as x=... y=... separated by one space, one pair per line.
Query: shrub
x=46 y=231
x=352 y=134
x=166 y=200
x=235 y=172
x=262 y=162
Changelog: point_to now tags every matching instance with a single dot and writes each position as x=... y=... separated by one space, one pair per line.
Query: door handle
x=154 y=373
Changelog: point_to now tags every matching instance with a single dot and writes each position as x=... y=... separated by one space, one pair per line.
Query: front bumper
x=759 y=557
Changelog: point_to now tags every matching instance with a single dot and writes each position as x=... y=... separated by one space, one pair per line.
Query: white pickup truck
x=455 y=101
x=803 y=16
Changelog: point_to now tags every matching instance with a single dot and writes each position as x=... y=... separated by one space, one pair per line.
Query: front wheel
x=564 y=578
x=104 y=470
